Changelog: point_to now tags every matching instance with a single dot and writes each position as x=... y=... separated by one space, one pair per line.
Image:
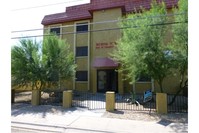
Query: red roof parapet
x=84 y=11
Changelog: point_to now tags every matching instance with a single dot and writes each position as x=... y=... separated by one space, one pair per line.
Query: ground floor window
x=82 y=76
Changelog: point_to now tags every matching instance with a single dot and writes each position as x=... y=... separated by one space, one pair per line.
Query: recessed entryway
x=107 y=80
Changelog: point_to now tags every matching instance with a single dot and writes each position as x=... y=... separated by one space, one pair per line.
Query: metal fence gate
x=88 y=100
x=98 y=101
x=180 y=104
x=123 y=102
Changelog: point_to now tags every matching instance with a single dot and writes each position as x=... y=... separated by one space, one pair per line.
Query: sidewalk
x=48 y=118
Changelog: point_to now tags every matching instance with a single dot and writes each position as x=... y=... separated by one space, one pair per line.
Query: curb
x=38 y=127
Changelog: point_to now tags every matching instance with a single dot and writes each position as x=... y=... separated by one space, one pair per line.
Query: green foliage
x=26 y=64
x=142 y=49
x=179 y=44
x=57 y=59
x=50 y=62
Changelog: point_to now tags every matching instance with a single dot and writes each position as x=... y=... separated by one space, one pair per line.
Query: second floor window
x=55 y=30
x=82 y=27
x=81 y=51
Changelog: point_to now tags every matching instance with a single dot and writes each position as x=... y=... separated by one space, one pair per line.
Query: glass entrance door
x=107 y=80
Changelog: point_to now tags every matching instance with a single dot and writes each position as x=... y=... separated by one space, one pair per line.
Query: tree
x=57 y=59
x=179 y=44
x=50 y=62
x=26 y=65
x=142 y=48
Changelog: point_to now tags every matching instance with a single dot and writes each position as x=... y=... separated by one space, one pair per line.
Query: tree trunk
x=173 y=99
x=160 y=84
x=178 y=92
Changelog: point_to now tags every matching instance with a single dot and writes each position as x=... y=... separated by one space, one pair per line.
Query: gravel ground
x=146 y=116
x=124 y=114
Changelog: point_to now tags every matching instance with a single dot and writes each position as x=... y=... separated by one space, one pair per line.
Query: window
x=81 y=76
x=82 y=27
x=55 y=30
x=81 y=51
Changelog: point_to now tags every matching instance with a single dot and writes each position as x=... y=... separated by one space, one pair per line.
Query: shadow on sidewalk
x=43 y=110
x=177 y=125
x=180 y=128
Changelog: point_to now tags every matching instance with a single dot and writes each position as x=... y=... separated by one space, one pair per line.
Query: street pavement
x=26 y=118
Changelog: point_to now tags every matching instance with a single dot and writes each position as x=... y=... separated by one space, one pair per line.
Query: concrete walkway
x=45 y=118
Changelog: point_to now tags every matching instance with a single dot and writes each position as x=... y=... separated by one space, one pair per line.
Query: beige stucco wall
x=142 y=87
x=81 y=86
x=170 y=84
x=82 y=63
x=68 y=28
x=82 y=39
x=108 y=36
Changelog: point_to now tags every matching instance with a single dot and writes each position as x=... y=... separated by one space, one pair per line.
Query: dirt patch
x=146 y=116
x=26 y=96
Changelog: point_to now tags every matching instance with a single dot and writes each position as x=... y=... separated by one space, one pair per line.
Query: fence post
x=110 y=101
x=161 y=103
x=12 y=95
x=36 y=95
x=67 y=99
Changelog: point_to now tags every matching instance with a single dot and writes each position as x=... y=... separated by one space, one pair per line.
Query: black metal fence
x=22 y=97
x=51 y=98
x=88 y=100
x=125 y=102
x=97 y=101
x=179 y=105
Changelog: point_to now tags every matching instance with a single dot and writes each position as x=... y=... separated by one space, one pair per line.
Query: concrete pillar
x=161 y=103
x=36 y=95
x=12 y=95
x=67 y=99
x=110 y=101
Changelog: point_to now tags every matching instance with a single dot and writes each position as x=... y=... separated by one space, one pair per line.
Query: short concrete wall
x=67 y=99
x=110 y=101
x=161 y=103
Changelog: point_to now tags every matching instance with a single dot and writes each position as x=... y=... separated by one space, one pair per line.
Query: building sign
x=105 y=45
x=147 y=96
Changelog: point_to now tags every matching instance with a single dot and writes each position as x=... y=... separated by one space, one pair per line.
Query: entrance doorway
x=107 y=80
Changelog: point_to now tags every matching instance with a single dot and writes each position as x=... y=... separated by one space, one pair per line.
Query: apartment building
x=92 y=31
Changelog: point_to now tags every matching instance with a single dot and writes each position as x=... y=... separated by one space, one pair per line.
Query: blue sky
x=30 y=14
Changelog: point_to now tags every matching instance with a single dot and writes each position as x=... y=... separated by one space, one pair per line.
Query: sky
x=30 y=14
x=19 y=15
